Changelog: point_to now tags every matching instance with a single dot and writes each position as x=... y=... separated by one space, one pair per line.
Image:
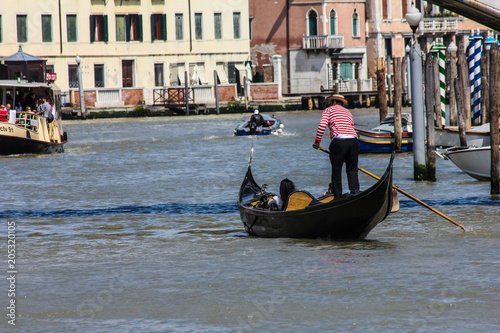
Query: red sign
x=50 y=76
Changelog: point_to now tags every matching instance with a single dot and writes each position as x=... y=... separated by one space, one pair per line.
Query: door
x=127 y=73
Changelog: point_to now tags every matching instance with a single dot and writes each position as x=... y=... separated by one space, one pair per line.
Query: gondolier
x=343 y=146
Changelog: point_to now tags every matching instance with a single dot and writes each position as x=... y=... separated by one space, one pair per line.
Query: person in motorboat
x=256 y=120
x=276 y=202
x=343 y=146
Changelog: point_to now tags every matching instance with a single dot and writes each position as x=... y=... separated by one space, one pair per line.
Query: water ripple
x=172 y=208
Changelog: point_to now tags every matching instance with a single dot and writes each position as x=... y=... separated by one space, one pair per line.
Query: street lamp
x=80 y=86
x=413 y=17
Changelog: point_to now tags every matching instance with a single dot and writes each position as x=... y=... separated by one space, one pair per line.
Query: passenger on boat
x=18 y=107
x=343 y=146
x=45 y=109
x=4 y=114
x=30 y=101
x=286 y=187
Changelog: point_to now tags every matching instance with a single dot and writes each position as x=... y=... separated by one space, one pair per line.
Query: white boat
x=474 y=161
x=478 y=136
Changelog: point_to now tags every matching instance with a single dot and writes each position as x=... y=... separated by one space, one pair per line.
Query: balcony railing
x=334 y=42
x=444 y=24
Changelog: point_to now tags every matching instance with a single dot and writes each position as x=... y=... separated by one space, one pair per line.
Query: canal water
x=135 y=228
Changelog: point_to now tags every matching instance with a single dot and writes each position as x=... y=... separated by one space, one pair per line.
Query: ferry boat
x=23 y=132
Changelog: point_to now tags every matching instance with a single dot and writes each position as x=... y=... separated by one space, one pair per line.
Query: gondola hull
x=346 y=218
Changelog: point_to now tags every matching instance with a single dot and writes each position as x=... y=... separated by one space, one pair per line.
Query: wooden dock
x=175 y=99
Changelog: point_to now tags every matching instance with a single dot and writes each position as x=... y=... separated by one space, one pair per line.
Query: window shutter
x=139 y=27
x=105 y=28
x=92 y=28
x=127 y=28
x=153 y=30
x=164 y=27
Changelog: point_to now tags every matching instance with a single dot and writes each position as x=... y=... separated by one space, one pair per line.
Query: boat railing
x=28 y=120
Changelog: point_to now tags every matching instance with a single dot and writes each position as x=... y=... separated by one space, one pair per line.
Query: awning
x=221 y=73
x=242 y=71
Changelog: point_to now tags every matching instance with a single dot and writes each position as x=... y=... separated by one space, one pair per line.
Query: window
x=250 y=28
x=127 y=73
x=388 y=47
x=22 y=29
x=159 y=81
x=385 y=9
x=99 y=75
x=236 y=26
x=47 y=28
x=98 y=28
x=179 y=33
x=73 y=76
x=355 y=24
x=333 y=22
x=128 y=28
x=121 y=27
x=346 y=71
x=71 y=31
x=312 y=17
x=404 y=8
x=218 y=26
x=158 y=27
x=198 y=26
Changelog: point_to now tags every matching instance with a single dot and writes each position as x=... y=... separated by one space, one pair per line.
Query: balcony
x=316 y=43
x=439 y=25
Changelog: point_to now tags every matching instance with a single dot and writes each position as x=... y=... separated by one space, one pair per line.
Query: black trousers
x=344 y=151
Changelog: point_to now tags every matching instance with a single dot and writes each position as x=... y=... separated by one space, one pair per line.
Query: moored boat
x=272 y=125
x=474 y=161
x=348 y=217
x=380 y=139
x=478 y=136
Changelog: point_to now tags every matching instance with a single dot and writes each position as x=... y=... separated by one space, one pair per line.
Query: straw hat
x=337 y=98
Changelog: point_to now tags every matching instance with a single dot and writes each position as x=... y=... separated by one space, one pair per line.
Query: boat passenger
x=18 y=107
x=343 y=146
x=286 y=187
x=4 y=114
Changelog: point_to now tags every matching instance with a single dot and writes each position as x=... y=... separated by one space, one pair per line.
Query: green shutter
x=153 y=30
x=105 y=28
x=164 y=27
x=127 y=28
x=139 y=27
x=92 y=28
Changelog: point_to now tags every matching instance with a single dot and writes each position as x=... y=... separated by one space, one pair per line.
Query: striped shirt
x=339 y=120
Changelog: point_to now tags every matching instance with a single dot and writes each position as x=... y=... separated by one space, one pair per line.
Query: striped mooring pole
x=478 y=52
x=439 y=50
x=472 y=46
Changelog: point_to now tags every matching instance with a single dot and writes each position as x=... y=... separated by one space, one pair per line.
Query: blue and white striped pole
x=472 y=46
x=478 y=52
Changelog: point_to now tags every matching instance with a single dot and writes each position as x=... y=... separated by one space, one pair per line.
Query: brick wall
x=227 y=93
x=264 y=91
x=132 y=96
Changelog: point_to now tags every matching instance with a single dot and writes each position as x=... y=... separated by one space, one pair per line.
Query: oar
x=408 y=195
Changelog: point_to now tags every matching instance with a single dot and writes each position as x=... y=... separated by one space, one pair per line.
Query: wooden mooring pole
x=494 y=116
x=398 y=105
x=382 y=94
x=430 y=102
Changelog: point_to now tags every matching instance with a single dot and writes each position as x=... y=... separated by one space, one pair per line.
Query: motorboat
x=474 y=161
x=380 y=139
x=272 y=125
x=478 y=136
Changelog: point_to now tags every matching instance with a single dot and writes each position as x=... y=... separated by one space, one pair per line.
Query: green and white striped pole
x=440 y=50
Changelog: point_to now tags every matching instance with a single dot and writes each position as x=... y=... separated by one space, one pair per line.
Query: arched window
x=346 y=71
x=355 y=23
x=333 y=22
x=312 y=17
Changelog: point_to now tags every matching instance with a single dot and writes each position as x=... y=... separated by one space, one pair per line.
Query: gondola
x=346 y=218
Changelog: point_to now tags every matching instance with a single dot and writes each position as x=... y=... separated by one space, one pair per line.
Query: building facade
x=130 y=47
x=322 y=43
